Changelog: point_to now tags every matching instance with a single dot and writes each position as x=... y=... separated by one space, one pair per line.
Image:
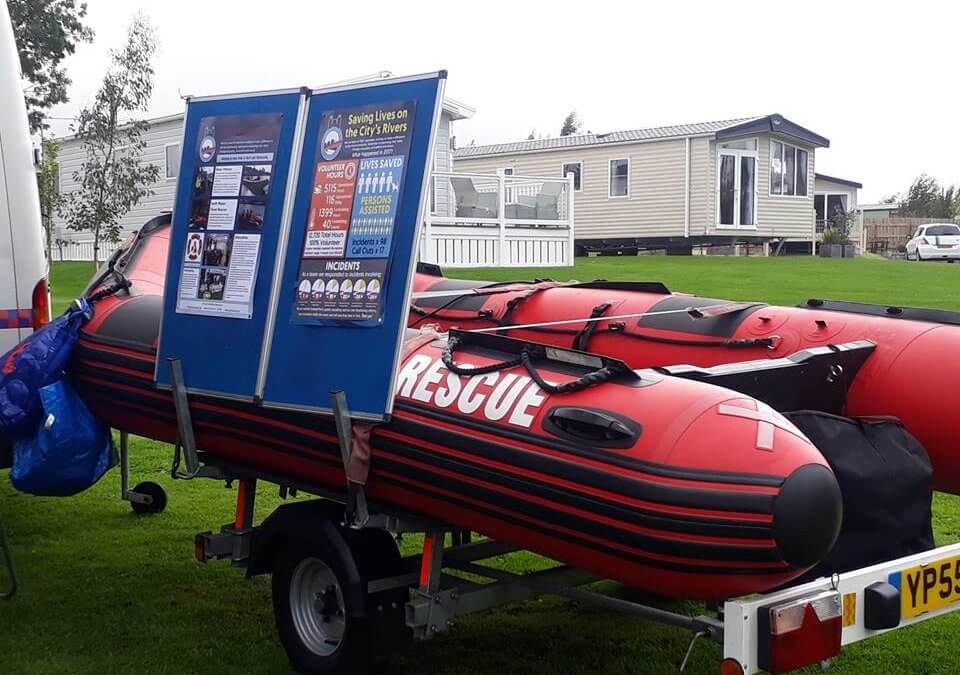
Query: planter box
x=838 y=250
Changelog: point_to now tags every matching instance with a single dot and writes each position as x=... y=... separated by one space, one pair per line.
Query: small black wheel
x=155 y=492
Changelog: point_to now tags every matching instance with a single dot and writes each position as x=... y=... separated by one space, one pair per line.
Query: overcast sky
x=878 y=79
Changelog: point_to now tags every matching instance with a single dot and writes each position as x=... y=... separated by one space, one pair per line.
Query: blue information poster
x=360 y=161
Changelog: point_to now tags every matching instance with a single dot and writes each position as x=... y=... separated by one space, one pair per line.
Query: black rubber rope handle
x=447 y=357
x=591 y=379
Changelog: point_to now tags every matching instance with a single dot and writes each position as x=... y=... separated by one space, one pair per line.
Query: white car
x=935 y=241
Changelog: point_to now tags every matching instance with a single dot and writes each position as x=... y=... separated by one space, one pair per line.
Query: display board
x=343 y=294
x=293 y=245
x=227 y=217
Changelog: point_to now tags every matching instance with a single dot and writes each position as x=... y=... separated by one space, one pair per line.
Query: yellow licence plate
x=929 y=587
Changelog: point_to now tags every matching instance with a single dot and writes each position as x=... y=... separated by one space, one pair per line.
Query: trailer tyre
x=319 y=629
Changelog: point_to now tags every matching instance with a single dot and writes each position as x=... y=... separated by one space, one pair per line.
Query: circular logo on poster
x=208 y=148
x=331 y=143
x=350 y=171
x=194 y=247
x=303 y=290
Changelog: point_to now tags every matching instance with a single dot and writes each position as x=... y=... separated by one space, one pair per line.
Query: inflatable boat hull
x=913 y=373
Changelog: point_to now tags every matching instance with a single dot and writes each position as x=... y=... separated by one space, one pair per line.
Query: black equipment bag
x=886 y=480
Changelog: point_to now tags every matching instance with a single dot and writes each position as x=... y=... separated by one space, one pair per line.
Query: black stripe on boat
x=314 y=448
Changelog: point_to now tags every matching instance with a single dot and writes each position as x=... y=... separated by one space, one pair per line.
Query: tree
x=571 y=124
x=926 y=198
x=48 y=182
x=47 y=31
x=112 y=179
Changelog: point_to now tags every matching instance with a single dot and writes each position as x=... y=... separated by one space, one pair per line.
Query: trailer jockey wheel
x=157 y=495
x=317 y=624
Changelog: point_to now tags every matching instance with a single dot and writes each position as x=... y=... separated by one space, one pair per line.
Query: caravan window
x=576 y=168
x=619 y=178
x=788 y=170
x=172 y=157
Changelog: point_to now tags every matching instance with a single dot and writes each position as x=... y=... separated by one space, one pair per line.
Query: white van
x=24 y=301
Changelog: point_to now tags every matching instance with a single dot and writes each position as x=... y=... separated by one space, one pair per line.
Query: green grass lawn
x=104 y=591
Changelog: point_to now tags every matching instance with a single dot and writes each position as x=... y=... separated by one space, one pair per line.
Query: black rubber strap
x=107 y=291
x=583 y=337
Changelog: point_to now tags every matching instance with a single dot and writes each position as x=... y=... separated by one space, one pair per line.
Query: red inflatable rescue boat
x=913 y=373
x=670 y=485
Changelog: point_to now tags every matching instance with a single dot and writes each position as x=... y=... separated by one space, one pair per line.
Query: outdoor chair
x=548 y=201
x=473 y=204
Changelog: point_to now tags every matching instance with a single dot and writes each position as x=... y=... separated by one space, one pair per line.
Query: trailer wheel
x=155 y=492
x=318 y=629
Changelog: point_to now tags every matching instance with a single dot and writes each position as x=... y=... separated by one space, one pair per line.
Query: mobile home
x=749 y=180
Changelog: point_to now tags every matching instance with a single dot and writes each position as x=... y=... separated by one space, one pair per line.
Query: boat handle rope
x=525 y=359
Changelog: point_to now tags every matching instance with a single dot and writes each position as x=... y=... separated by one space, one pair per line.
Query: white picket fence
x=81 y=250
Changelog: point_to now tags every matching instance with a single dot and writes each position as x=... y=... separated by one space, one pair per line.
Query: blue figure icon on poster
x=375 y=207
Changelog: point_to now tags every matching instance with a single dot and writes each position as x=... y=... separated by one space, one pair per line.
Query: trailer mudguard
x=312 y=522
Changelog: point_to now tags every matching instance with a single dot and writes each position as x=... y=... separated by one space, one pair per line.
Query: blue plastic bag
x=70 y=451
x=35 y=363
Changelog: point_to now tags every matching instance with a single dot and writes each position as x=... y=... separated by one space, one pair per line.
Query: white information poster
x=229 y=197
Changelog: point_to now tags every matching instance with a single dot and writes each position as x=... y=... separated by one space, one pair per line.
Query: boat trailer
x=336 y=559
